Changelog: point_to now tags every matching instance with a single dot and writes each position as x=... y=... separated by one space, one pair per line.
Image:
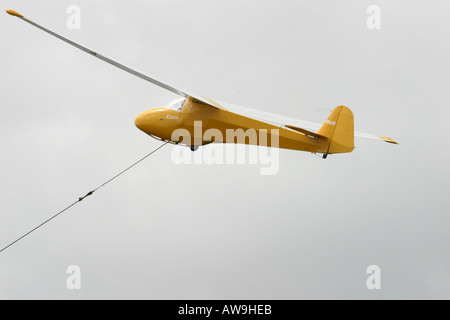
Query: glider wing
x=95 y=54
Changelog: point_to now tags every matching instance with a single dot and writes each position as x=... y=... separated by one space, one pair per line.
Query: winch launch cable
x=85 y=196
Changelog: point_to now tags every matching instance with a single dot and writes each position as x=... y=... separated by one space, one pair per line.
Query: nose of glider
x=150 y=121
x=140 y=121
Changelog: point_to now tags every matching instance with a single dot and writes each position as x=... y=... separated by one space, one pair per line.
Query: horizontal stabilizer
x=387 y=139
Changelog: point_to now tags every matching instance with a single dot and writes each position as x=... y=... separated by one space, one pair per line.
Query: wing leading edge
x=163 y=85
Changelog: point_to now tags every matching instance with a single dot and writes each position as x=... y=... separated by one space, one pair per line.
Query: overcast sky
x=166 y=231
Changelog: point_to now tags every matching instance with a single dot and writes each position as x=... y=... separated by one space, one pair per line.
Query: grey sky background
x=164 y=231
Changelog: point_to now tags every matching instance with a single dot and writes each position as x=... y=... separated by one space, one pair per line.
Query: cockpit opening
x=177 y=105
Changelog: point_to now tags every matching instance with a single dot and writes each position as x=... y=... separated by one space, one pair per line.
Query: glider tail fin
x=339 y=130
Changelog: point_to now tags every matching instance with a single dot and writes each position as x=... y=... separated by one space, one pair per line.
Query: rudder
x=339 y=129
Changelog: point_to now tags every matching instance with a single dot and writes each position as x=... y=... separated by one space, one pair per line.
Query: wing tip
x=387 y=139
x=14 y=13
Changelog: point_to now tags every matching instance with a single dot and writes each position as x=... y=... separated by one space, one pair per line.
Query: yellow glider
x=335 y=135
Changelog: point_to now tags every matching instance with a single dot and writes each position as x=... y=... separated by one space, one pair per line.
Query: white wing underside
x=282 y=121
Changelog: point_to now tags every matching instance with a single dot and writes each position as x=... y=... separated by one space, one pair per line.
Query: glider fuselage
x=200 y=125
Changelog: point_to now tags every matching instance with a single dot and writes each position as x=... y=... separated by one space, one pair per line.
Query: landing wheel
x=194 y=148
x=324 y=155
